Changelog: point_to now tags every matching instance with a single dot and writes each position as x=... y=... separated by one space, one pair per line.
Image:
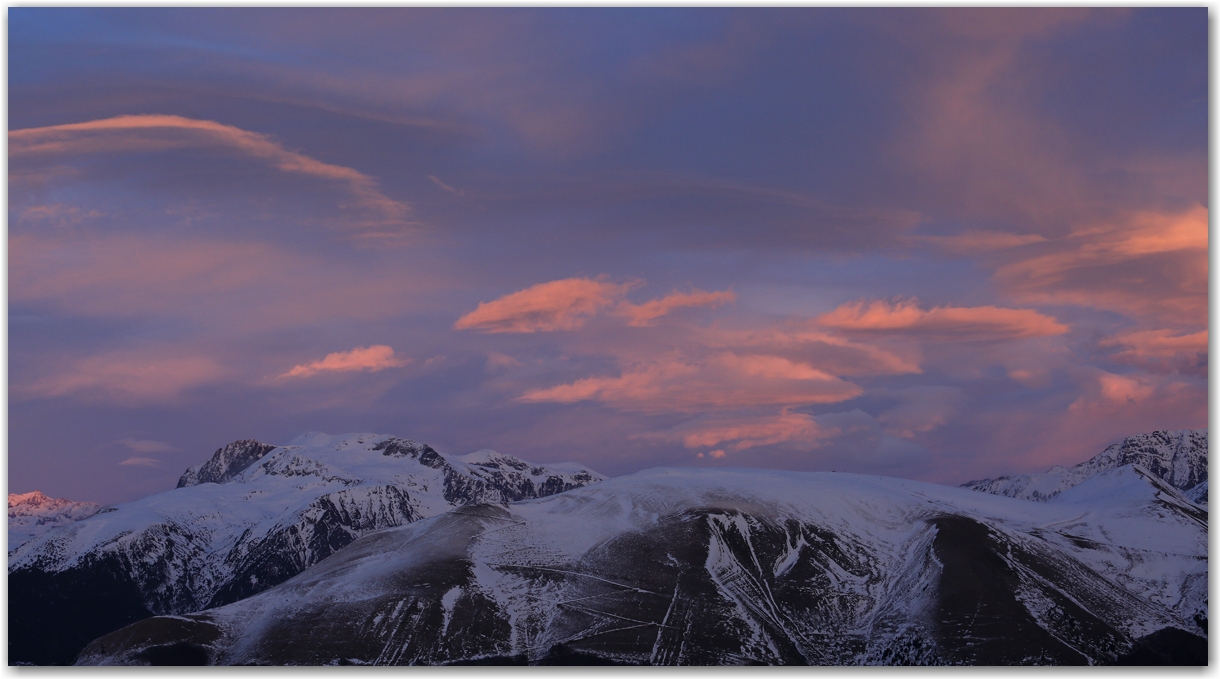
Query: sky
x=939 y=244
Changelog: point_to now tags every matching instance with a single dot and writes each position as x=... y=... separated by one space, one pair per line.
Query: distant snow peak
x=31 y=514
x=225 y=463
x=38 y=503
x=1179 y=458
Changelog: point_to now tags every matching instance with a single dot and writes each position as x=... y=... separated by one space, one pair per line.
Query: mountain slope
x=1177 y=457
x=683 y=566
x=31 y=514
x=206 y=543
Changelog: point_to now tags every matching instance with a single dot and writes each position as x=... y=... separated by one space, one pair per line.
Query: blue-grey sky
x=931 y=243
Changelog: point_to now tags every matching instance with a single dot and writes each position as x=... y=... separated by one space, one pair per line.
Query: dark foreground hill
x=737 y=567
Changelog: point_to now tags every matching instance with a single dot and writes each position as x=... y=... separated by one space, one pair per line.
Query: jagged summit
x=1179 y=458
x=225 y=463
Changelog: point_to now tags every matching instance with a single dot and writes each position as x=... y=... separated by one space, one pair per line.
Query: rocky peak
x=1179 y=458
x=396 y=447
x=226 y=463
x=36 y=502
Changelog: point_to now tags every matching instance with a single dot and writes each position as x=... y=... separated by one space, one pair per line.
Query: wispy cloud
x=445 y=187
x=1161 y=350
x=942 y=323
x=568 y=303
x=361 y=359
x=147 y=446
x=131 y=377
x=546 y=307
x=719 y=381
x=137 y=133
x=1095 y=266
x=644 y=314
x=750 y=431
x=140 y=462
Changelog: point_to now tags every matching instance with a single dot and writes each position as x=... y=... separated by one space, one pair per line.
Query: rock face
x=31 y=514
x=1177 y=457
x=225 y=463
x=229 y=531
x=728 y=567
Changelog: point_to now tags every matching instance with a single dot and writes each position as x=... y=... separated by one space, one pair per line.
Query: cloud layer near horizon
x=934 y=243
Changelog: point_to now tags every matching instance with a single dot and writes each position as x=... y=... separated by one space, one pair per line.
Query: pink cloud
x=719 y=381
x=1110 y=407
x=226 y=284
x=973 y=145
x=362 y=359
x=140 y=462
x=497 y=362
x=640 y=315
x=131 y=377
x=568 y=303
x=802 y=339
x=943 y=323
x=741 y=433
x=1144 y=264
x=1162 y=350
x=135 y=133
x=546 y=307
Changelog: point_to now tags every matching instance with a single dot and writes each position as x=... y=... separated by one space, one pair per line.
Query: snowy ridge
x=228 y=532
x=691 y=566
x=1177 y=457
x=31 y=514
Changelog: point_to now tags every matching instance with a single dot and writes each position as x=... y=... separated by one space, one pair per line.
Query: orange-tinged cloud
x=1152 y=264
x=363 y=359
x=942 y=323
x=1162 y=350
x=833 y=353
x=720 y=381
x=546 y=307
x=640 y=315
x=1150 y=232
x=1106 y=392
x=740 y=433
x=1122 y=389
x=135 y=133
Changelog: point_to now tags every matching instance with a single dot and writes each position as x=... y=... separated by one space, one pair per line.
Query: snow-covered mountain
x=31 y=514
x=1177 y=457
x=249 y=518
x=688 y=566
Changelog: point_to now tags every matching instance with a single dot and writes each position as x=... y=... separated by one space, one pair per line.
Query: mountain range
x=250 y=517
x=512 y=563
